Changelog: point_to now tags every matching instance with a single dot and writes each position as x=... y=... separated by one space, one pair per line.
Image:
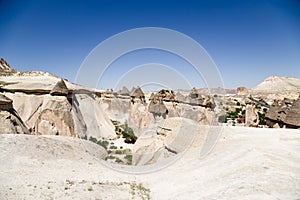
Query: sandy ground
x=247 y=163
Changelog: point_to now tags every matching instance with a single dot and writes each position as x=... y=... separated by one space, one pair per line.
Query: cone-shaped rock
x=137 y=93
x=194 y=93
x=124 y=91
x=180 y=97
x=60 y=89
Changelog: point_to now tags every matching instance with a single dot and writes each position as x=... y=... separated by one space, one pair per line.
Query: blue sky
x=248 y=40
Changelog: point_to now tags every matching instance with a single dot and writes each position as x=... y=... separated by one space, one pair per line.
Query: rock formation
x=167 y=139
x=293 y=116
x=242 y=91
x=137 y=95
x=10 y=121
x=139 y=118
x=109 y=93
x=163 y=95
x=194 y=98
x=60 y=89
x=5 y=68
x=180 y=97
x=124 y=91
x=252 y=118
x=158 y=108
x=5 y=103
x=52 y=106
x=284 y=113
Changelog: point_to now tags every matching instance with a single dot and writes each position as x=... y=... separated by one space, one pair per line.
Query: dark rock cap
x=60 y=88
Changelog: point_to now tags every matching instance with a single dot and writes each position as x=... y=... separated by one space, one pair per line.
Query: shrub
x=118 y=160
x=129 y=159
x=262 y=120
x=119 y=152
x=92 y=139
x=103 y=143
x=128 y=134
x=222 y=119
x=113 y=147
x=111 y=157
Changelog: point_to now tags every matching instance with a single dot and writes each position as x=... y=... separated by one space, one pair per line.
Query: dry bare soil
x=246 y=163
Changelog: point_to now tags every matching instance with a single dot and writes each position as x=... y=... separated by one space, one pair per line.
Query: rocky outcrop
x=293 y=116
x=284 y=113
x=97 y=122
x=157 y=106
x=10 y=122
x=124 y=91
x=139 y=118
x=242 y=91
x=137 y=95
x=109 y=93
x=79 y=116
x=252 y=118
x=163 y=95
x=49 y=105
x=5 y=69
x=55 y=118
x=5 y=103
x=180 y=97
x=170 y=137
x=158 y=109
x=195 y=98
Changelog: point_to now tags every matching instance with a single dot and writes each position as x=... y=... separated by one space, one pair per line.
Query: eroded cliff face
x=50 y=105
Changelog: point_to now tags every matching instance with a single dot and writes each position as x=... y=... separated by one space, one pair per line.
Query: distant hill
x=277 y=85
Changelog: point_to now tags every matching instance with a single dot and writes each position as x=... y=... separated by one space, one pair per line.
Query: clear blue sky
x=248 y=40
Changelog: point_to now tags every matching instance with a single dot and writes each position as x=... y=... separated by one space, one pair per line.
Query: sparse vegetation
x=128 y=158
x=128 y=134
x=118 y=152
x=118 y=160
x=262 y=119
x=125 y=131
x=113 y=147
x=140 y=190
x=70 y=182
x=102 y=143
x=222 y=119
x=111 y=157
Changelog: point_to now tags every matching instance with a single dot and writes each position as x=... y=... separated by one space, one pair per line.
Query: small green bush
x=128 y=135
x=103 y=143
x=118 y=160
x=222 y=119
x=128 y=158
x=92 y=139
x=113 y=147
x=119 y=152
